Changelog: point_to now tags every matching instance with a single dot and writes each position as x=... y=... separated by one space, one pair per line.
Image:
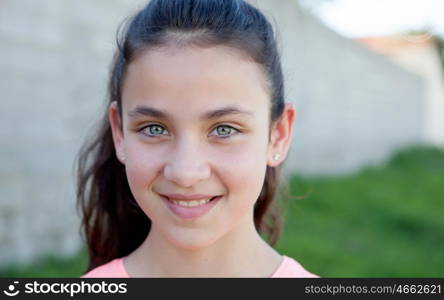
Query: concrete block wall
x=354 y=107
x=54 y=58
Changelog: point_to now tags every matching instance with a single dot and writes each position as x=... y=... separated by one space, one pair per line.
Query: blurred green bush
x=385 y=221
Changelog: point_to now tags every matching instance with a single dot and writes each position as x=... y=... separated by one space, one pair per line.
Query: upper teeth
x=190 y=203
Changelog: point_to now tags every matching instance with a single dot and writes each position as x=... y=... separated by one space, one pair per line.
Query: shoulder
x=111 y=269
x=291 y=268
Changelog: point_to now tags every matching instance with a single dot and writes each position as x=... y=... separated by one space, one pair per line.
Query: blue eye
x=153 y=130
x=225 y=131
x=156 y=130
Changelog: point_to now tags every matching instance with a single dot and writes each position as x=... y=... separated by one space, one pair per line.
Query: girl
x=184 y=169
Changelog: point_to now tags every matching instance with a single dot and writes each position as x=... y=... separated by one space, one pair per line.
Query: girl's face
x=195 y=121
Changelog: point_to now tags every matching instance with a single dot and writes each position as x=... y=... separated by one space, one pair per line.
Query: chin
x=192 y=241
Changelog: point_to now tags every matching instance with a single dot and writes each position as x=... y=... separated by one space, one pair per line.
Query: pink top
x=115 y=268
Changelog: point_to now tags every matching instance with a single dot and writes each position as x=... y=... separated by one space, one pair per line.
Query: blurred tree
x=439 y=39
x=440 y=43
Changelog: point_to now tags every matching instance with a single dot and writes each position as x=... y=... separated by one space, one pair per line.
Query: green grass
x=384 y=221
x=49 y=266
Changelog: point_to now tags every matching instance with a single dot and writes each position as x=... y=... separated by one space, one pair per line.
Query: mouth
x=190 y=203
x=191 y=209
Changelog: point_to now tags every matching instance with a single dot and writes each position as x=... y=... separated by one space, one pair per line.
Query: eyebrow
x=140 y=111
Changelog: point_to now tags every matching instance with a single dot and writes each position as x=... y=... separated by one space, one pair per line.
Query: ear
x=281 y=136
x=116 y=125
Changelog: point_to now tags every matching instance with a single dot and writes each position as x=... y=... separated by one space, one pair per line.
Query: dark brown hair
x=112 y=222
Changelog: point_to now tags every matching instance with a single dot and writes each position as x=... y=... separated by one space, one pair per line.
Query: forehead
x=190 y=78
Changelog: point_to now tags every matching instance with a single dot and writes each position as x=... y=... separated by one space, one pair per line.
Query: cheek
x=242 y=175
x=142 y=165
x=243 y=169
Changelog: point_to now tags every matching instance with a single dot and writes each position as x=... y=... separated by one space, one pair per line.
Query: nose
x=186 y=165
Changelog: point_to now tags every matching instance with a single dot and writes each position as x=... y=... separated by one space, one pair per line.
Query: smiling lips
x=190 y=206
x=189 y=200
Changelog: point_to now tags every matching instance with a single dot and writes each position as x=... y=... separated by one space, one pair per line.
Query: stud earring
x=276 y=156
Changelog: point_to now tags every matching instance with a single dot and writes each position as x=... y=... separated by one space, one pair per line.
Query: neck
x=239 y=253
